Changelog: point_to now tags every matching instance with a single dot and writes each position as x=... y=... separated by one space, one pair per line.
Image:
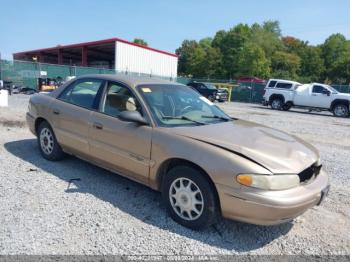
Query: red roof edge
x=92 y=43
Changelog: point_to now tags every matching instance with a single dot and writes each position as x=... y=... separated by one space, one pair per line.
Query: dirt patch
x=258 y=113
x=12 y=123
x=341 y=124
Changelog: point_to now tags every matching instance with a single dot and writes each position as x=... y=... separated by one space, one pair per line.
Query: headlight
x=269 y=182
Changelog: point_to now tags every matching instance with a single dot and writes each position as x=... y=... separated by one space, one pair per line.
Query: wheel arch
x=339 y=101
x=274 y=96
x=37 y=123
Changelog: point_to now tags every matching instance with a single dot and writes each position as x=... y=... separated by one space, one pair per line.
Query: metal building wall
x=135 y=59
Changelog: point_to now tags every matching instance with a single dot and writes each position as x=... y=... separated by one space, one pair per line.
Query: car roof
x=131 y=81
x=284 y=81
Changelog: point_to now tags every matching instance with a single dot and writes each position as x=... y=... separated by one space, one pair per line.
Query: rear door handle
x=56 y=111
x=97 y=125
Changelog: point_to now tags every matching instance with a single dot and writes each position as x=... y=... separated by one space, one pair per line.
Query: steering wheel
x=185 y=109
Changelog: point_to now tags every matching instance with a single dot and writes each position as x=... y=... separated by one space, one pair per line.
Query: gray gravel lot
x=104 y=213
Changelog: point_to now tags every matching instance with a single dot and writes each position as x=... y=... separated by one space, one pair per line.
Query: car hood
x=343 y=95
x=275 y=150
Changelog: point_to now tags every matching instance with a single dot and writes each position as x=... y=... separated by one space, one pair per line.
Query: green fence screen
x=23 y=73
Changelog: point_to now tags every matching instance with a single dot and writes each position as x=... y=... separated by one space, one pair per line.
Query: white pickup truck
x=284 y=94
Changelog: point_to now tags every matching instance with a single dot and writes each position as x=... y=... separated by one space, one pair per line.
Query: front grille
x=309 y=173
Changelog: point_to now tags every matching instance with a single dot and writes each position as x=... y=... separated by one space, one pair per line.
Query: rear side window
x=272 y=83
x=82 y=93
x=284 y=85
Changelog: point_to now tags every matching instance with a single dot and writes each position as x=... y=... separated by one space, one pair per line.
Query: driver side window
x=119 y=98
x=318 y=89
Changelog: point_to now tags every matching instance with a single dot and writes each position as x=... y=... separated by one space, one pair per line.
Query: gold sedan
x=170 y=138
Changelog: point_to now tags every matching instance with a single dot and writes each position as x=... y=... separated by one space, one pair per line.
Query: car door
x=118 y=145
x=71 y=113
x=320 y=97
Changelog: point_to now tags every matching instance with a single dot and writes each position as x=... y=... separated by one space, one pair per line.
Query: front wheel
x=48 y=145
x=341 y=110
x=189 y=198
x=211 y=98
x=286 y=107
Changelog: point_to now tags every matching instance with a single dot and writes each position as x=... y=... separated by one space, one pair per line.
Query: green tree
x=312 y=65
x=333 y=48
x=335 y=52
x=230 y=44
x=267 y=37
x=140 y=41
x=253 y=62
x=340 y=70
x=285 y=65
x=185 y=59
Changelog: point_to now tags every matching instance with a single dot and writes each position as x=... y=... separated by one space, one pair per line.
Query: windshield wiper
x=183 y=118
x=217 y=117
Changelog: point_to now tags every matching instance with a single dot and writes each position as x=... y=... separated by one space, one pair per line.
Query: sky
x=33 y=24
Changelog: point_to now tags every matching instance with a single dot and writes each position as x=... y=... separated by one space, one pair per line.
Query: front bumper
x=271 y=207
x=31 y=123
x=221 y=97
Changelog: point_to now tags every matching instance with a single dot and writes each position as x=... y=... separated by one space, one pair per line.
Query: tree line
x=260 y=50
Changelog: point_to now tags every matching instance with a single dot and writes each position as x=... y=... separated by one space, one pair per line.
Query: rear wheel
x=189 y=198
x=48 y=145
x=341 y=110
x=276 y=103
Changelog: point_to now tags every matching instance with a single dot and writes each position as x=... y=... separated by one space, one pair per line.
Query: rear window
x=284 y=85
x=272 y=83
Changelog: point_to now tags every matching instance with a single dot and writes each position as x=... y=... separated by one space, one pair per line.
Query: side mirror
x=132 y=116
x=326 y=92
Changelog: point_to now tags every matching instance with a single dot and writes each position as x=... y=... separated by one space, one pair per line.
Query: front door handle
x=97 y=125
x=56 y=111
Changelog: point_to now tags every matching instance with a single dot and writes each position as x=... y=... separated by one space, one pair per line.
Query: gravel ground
x=103 y=213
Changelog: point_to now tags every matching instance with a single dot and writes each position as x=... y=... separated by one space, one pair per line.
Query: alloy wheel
x=340 y=110
x=46 y=141
x=186 y=199
x=276 y=104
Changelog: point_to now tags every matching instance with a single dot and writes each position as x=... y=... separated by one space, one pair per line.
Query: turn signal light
x=246 y=180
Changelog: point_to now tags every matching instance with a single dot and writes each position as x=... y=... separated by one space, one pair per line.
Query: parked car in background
x=165 y=135
x=210 y=91
x=250 y=79
x=284 y=94
x=23 y=90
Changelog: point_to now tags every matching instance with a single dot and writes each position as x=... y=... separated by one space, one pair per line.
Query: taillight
x=264 y=92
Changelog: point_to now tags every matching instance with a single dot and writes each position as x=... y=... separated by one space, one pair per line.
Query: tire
x=341 y=110
x=276 y=104
x=207 y=209
x=48 y=145
x=211 y=98
x=286 y=107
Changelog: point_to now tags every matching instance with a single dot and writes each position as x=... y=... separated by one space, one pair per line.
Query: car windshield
x=210 y=86
x=177 y=105
x=332 y=89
